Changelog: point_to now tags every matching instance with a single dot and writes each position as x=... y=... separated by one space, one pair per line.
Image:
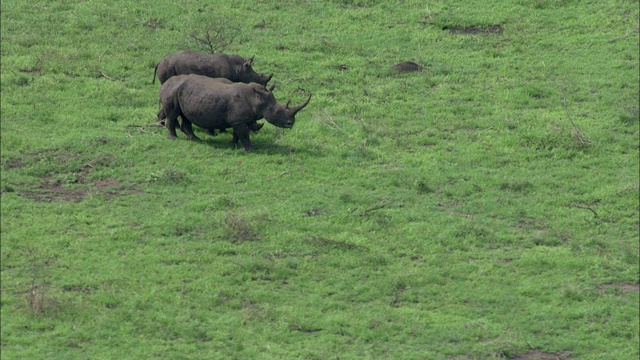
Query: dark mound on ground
x=406 y=66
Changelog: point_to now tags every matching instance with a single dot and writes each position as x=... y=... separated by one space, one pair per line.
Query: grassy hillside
x=483 y=208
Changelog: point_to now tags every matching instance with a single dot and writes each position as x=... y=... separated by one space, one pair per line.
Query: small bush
x=215 y=36
x=239 y=229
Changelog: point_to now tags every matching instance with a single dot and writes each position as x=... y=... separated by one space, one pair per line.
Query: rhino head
x=246 y=74
x=280 y=115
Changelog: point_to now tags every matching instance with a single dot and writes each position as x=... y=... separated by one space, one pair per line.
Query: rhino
x=169 y=88
x=232 y=67
x=213 y=104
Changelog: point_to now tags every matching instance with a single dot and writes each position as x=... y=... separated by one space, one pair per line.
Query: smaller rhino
x=232 y=67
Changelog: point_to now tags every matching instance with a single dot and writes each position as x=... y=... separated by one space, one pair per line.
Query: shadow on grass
x=263 y=144
x=267 y=147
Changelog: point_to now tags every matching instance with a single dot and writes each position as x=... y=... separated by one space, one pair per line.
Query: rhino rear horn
x=294 y=110
x=271 y=87
x=249 y=61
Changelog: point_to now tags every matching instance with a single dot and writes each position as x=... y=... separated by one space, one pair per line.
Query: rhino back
x=189 y=62
x=212 y=104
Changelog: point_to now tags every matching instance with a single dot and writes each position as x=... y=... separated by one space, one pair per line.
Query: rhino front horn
x=294 y=110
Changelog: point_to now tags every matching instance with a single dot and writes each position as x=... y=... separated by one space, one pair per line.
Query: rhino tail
x=155 y=71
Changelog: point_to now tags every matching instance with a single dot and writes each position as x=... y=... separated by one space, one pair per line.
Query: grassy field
x=483 y=208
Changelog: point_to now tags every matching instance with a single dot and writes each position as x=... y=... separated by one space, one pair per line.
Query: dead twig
x=577 y=133
x=330 y=123
x=378 y=207
x=280 y=175
x=625 y=35
x=141 y=128
x=588 y=208
x=102 y=54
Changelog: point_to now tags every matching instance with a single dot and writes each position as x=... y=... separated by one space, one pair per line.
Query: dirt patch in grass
x=60 y=184
x=240 y=229
x=539 y=355
x=314 y=212
x=325 y=242
x=87 y=290
x=57 y=155
x=619 y=288
x=475 y=30
x=53 y=191
x=108 y=183
x=16 y=163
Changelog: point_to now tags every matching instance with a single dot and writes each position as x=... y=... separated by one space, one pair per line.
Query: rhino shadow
x=267 y=147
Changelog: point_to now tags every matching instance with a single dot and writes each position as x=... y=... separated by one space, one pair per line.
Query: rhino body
x=213 y=104
x=232 y=67
x=168 y=89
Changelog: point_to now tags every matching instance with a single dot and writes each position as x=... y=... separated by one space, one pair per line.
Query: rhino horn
x=268 y=78
x=271 y=87
x=294 y=110
x=249 y=61
x=286 y=106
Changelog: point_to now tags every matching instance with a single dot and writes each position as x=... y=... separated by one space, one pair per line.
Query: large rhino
x=167 y=90
x=232 y=67
x=214 y=104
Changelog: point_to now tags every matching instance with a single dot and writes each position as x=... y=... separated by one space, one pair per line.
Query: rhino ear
x=260 y=90
x=248 y=62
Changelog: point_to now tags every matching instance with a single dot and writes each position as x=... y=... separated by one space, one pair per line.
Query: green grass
x=486 y=207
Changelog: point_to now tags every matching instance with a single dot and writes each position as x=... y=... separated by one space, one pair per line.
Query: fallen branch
x=590 y=209
x=625 y=35
x=577 y=133
x=372 y=209
x=330 y=123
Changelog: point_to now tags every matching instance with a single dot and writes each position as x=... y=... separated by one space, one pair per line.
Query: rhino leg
x=161 y=116
x=187 y=128
x=241 y=132
x=254 y=127
x=171 y=123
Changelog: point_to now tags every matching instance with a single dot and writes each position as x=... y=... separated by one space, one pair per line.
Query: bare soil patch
x=106 y=184
x=240 y=229
x=53 y=191
x=620 y=287
x=539 y=355
x=13 y=163
x=61 y=186
x=475 y=30
x=325 y=242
